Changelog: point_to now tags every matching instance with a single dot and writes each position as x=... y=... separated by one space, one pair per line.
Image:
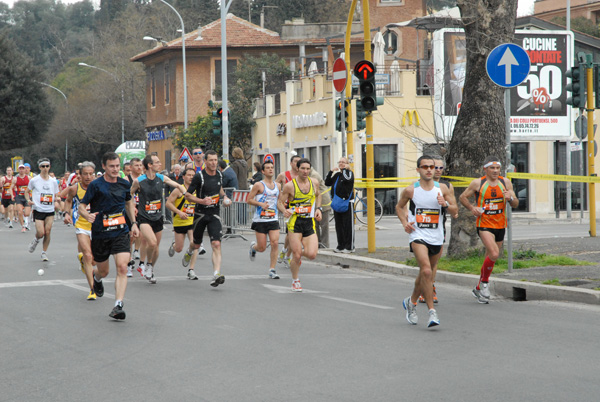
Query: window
x=152 y=88
x=386 y=165
x=392 y=2
x=578 y=168
x=300 y=152
x=391 y=42
x=231 y=67
x=167 y=84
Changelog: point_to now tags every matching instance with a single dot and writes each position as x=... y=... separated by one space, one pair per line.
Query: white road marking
x=288 y=289
x=357 y=302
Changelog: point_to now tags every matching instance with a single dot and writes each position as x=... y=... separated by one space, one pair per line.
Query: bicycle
x=360 y=209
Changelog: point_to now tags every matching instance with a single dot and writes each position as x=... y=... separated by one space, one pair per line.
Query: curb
x=507 y=288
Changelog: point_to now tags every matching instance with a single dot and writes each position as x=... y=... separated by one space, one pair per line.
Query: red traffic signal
x=364 y=70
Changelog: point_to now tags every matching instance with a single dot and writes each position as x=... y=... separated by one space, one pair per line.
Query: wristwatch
x=134 y=223
x=320 y=209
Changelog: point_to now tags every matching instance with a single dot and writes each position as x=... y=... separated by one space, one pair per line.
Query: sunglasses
x=197 y=153
x=439 y=168
x=44 y=166
x=429 y=167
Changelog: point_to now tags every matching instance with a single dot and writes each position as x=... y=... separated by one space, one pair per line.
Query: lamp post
x=122 y=97
x=185 y=98
x=66 y=139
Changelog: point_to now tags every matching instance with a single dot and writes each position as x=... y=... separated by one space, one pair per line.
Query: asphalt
x=579 y=284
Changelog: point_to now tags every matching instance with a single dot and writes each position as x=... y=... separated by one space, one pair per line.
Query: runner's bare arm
x=510 y=195
x=130 y=211
x=468 y=193
x=174 y=184
x=284 y=197
x=452 y=208
x=402 y=207
x=317 y=200
x=256 y=188
x=72 y=190
x=135 y=186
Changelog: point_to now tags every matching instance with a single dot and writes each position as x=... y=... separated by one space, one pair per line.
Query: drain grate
x=519 y=294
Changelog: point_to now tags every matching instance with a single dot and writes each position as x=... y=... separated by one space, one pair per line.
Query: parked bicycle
x=360 y=208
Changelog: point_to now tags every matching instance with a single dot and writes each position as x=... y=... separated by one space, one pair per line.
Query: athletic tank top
x=426 y=212
x=151 y=191
x=491 y=199
x=288 y=176
x=269 y=195
x=80 y=221
x=6 y=187
x=186 y=206
x=303 y=204
x=22 y=183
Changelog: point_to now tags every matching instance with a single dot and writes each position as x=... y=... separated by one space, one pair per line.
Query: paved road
x=344 y=339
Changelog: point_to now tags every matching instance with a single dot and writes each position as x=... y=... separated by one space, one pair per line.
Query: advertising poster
x=538 y=105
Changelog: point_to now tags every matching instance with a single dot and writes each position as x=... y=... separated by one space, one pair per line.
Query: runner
x=8 y=203
x=264 y=195
x=109 y=199
x=83 y=228
x=300 y=201
x=137 y=169
x=198 y=158
x=421 y=220
x=491 y=192
x=282 y=179
x=150 y=216
x=183 y=221
x=205 y=190
x=44 y=191
x=437 y=176
x=23 y=208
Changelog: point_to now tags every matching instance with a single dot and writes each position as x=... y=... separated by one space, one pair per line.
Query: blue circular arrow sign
x=508 y=65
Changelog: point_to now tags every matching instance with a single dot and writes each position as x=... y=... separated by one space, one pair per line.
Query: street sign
x=185 y=154
x=340 y=75
x=508 y=65
x=269 y=157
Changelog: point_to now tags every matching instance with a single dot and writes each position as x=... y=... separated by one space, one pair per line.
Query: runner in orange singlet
x=491 y=192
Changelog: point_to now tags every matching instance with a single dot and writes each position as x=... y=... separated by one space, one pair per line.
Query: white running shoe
x=192 y=275
x=480 y=298
x=252 y=251
x=273 y=274
x=433 y=319
x=33 y=244
x=484 y=289
x=172 y=249
x=411 y=311
x=149 y=274
x=296 y=286
x=201 y=250
x=44 y=256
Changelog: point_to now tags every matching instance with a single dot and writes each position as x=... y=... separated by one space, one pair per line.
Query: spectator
x=240 y=167
x=230 y=180
x=258 y=176
x=322 y=226
x=342 y=179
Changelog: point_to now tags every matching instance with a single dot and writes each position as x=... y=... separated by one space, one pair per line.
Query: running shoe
x=411 y=311
x=273 y=274
x=136 y=254
x=252 y=251
x=192 y=275
x=44 y=256
x=185 y=261
x=421 y=299
x=337 y=250
x=80 y=258
x=142 y=269
x=435 y=299
x=130 y=266
x=484 y=289
x=10 y=225
x=117 y=313
x=92 y=295
x=172 y=249
x=286 y=262
x=433 y=319
x=218 y=279
x=296 y=286
x=33 y=244
x=281 y=257
x=98 y=288
x=201 y=251
x=152 y=280
x=480 y=298
x=149 y=274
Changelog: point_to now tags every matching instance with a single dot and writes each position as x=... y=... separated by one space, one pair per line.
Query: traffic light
x=217 y=121
x=341 y=114
x=361 y=124
x=576 y=87
x=364 y=70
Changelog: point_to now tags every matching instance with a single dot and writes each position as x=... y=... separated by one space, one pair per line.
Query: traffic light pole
x=591 y=142
x=350 y=131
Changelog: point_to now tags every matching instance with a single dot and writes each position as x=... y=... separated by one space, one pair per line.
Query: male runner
x=491 y=192
x=150 y=216
x=109 y=199
x=83 y=228
x=198 y=158
x=205 y=190
x=44 y=192
x=422 y=221
x=437 y=176
x=282 y=179
x=300 y=201
x=264 y=195
x=137 y=169
x=7 y=183
x=183 y=221
x=23 y=208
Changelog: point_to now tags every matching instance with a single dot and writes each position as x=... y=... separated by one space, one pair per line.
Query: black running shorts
x=104 y=248
x=210 y=222
x=431 y=249
x=498 y=233
x=264 y=227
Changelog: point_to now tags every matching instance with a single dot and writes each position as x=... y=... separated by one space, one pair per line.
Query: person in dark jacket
x=240 y=167
x=344 y=222
x=258 y=176
x=230 y=180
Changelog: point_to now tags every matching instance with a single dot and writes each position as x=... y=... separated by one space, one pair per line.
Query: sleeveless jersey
x=150 y=193
x=6 y=193
x=288 y=176
x=270 y=196
x=303 y=204
x=426 y=212
x=491 y=199
x=80 y=221
x=22 y=183
x=186 y=206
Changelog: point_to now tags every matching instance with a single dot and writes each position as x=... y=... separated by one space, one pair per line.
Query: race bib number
x=188 y=209
x=7 y=191
x=427 y=218
x=304 y=211
x=46 y=199
x=494 y=206
x=153 y=207
x=114 y=222
x=214 y=200
x=268 y=213
x=22 y=190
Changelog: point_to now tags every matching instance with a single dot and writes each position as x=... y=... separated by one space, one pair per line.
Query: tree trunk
x=480 y=126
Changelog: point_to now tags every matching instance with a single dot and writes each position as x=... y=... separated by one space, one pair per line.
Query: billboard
x=538 y=105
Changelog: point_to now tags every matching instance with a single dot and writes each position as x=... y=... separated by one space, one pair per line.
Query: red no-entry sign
x=340 y=75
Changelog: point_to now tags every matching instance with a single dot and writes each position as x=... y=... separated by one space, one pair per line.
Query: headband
x=492 y=163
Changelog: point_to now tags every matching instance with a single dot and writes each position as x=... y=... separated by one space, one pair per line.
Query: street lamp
x=185 y=98
x=122 y=97
x=156 y=39
x=67 y=102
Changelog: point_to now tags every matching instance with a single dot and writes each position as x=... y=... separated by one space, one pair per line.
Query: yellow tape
x=554 y=177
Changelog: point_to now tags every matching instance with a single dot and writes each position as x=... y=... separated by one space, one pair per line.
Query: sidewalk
x=577 y=283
